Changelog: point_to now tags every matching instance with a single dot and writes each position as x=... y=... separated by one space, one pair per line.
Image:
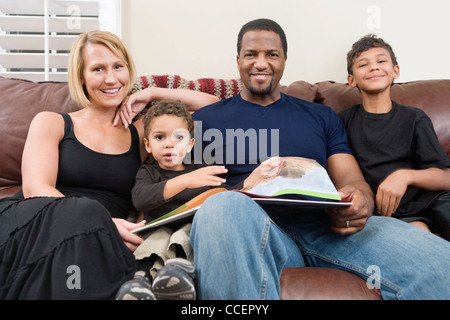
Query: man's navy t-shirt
x=240 y=134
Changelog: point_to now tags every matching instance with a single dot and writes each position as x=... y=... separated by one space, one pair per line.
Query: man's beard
x=261 y=91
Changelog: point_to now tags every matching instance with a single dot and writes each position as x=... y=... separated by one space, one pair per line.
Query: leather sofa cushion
x=324 y=284
x=27 y=98
x=301 y=89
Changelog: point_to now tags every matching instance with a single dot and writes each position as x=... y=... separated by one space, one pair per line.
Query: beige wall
x=197 y=38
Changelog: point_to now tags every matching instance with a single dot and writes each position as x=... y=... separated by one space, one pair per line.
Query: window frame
x=25 y=61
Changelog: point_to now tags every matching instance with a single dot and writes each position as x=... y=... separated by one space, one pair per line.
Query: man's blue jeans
x=240 y=251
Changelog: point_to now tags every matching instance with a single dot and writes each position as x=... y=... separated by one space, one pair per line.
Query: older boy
x=396 y=146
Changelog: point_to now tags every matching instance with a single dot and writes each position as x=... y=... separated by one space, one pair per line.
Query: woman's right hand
x=132 y=241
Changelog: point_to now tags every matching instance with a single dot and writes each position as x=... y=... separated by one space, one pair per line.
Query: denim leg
x=239 y=251
x=411 y=263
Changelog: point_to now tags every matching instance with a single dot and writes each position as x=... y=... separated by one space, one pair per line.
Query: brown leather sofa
x=20 y=100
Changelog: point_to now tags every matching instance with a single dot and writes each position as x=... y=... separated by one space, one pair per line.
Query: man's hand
x=267 y=168
x=349 y=220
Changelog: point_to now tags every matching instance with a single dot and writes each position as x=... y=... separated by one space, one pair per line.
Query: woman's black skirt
x=60 y=248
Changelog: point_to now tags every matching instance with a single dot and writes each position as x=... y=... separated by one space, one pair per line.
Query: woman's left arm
x=137 y=101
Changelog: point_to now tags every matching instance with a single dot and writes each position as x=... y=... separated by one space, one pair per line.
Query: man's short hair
x=262 y=25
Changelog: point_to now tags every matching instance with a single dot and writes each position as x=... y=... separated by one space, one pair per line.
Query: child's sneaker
x=175 y=281
x=138 y=288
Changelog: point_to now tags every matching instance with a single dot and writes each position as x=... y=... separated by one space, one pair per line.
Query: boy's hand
x=206 y=176
x=390 y=192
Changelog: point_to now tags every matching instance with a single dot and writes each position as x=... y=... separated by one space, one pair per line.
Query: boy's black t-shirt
x=148 y=192
x=403 y=138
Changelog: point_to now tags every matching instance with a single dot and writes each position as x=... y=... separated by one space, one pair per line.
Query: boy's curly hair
x=168 y=107
x=365 y=43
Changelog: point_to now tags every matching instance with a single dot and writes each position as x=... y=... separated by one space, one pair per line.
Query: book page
x=296 y=175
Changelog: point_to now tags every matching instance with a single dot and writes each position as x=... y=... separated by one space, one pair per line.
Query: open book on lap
x=182 y=212
x=296 y=181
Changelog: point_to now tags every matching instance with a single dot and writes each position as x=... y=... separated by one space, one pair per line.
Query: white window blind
x=36 y=35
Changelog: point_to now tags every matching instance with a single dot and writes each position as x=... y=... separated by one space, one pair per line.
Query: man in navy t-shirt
x=260 y=122
x=241 y=134
x=240 y=250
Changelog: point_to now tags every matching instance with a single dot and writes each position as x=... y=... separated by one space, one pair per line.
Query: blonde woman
x=65 y=235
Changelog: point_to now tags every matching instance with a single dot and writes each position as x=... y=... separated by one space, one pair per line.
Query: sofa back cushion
x=20 y=101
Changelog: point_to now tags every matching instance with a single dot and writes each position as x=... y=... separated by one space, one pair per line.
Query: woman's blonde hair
x=76 y=61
